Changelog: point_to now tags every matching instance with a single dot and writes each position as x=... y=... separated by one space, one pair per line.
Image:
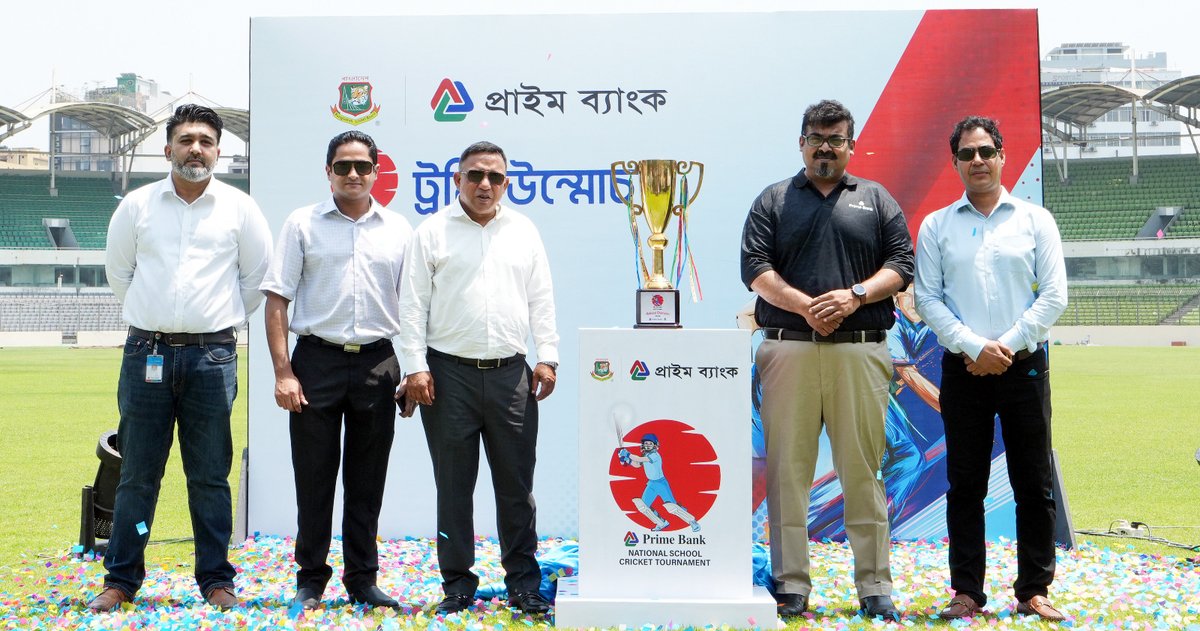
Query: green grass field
x=54 y=404
x=1126 y=425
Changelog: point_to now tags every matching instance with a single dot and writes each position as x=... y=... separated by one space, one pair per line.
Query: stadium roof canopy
x=1182 y=93
x=125 y=126
x=12 y=121
x=1082 y=103
x=237 y=122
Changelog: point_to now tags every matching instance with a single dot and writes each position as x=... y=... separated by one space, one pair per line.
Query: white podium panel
x=664 y=480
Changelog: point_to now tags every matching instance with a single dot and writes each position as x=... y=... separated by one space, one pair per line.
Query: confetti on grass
x=1097 y=588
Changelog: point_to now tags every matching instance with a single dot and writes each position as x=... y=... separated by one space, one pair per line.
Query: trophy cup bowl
x=657 y=184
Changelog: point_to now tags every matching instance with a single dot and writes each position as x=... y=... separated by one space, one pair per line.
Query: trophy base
x=657 y=309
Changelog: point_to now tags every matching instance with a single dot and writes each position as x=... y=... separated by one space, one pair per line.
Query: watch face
x=859 y=290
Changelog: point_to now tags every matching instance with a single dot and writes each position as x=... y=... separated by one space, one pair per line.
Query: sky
x=79 y=44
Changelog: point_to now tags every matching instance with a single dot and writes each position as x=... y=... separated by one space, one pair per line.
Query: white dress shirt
x=476 y=291
x=187 y=268
x=342 y=276
x=1000 y=277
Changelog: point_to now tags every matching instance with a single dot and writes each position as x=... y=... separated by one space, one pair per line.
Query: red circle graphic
x=689 y=464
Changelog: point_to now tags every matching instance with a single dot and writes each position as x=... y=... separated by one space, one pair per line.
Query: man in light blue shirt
x=990 y=281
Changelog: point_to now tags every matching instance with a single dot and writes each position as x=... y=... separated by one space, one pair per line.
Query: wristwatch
x=553 y=366
x=859 y=292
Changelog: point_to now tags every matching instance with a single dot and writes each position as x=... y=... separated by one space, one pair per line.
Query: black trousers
x=497 y=406
x=359 y=388
x=1021 y=398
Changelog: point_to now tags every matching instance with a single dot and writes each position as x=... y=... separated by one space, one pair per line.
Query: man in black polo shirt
x=825 y=252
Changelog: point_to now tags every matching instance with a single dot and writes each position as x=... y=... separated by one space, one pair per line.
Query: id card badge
x=154 y=368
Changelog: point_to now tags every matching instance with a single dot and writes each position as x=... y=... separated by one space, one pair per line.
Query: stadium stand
x=1131 y=305
x=88 y=202
x=1098 y=202
x=69 y=312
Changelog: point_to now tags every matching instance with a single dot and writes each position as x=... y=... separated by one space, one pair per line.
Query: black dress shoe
x=372 y=597
x=791 y=605
x=308 y=597
x=529 y=602
x=880 y=607
x=454 y=603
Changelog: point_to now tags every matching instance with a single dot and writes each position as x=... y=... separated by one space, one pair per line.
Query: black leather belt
x=1024 y=354
x=348 y=347
x=226 y=336
x=837 y=337
x=482 y=364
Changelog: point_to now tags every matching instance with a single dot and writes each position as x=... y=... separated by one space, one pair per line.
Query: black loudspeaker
x=96 y=516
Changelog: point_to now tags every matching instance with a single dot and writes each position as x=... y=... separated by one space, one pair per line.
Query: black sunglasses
x=475 y=176
x=967 y=154
x=363 y=167
x=816 y=140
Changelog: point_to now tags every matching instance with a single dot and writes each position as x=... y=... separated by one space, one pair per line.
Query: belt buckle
x=351 y=348
x=169 y=340
x=480 y=364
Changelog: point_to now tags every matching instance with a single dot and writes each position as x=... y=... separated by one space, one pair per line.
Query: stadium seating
x=1128 y=304
x=69 y=312
x=87 y=201
x=1100 y=203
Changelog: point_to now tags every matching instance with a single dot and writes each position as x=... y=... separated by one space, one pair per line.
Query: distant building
x=78 y=147
x=24 y=158
x=1115 y=63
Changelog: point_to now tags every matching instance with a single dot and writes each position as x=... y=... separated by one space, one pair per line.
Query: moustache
x=825 y=155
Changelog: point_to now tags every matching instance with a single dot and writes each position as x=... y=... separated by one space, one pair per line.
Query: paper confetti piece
x=141 y=528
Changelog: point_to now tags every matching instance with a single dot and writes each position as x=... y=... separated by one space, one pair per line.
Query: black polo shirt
x=819 y=243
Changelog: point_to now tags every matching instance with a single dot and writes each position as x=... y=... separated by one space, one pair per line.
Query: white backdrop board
x=565 y=96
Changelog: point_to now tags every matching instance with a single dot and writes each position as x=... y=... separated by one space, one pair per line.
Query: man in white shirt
x=185 y=257
x=990 y=282
x=476 y=285
x=339 y=262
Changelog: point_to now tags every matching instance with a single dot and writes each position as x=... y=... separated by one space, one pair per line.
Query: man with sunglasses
x=825 y=252
x=990 y=281
x=476 y=286
x=184 y=256
x=338 y=263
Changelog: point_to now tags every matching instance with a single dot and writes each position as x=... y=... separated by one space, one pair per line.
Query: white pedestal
x=574 y=611
x=665 y=536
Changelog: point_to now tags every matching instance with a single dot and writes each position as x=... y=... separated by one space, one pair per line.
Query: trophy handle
x=631 y=169
x=684 y=168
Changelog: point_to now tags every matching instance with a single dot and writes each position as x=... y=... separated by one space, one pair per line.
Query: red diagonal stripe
x=958 y=63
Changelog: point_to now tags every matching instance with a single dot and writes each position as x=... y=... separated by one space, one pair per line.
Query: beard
x=189 y=173
x=825 y=161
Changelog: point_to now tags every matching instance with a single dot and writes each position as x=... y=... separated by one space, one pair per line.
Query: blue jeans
x=199 y=384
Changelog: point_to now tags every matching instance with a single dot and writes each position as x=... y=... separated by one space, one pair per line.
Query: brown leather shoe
x=222 y=597
x=107 y=600
x=961 y=606
x=1040 y=606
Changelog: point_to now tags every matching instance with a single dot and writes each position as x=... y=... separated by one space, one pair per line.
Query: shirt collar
x=1006 y=201
x=167 y=187
x=329 y=206
x=456 y=211
x=801 y=180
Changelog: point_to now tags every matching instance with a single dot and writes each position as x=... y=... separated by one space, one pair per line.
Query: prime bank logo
x=451 y=103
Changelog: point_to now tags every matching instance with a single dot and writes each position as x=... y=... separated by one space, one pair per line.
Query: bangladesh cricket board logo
x=602 y=370
x=355 y=103
x=451 y=102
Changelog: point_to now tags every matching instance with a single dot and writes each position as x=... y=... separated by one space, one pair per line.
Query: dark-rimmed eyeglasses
x=967 y=154
x=363 y=167
x=816 y=140
x=476 y=176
